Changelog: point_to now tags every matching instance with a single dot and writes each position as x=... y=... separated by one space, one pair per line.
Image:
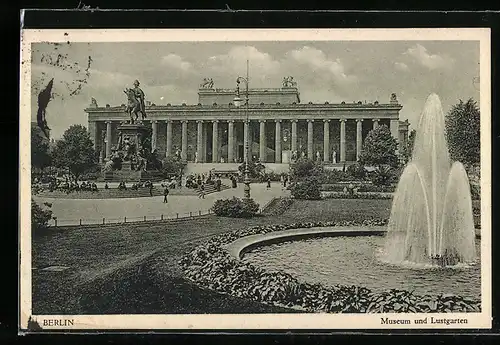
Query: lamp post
x=237 y=103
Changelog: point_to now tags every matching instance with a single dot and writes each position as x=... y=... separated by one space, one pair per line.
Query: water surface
x=357 y=261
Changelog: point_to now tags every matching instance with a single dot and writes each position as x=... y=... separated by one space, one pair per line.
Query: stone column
x=359 y=137
x=230 y=141
x=277 y=149
x=310 y=153
x=205 y=144
x=108 y=139
x=154 y=135
x=246 y=149
x=262 y=142
x=93 y=133
x=326 y=140
x=169 y=124
x=342 y=139
x=375 y=123
x=184 y=141
x=215 y=141
x=199 y=141
x=294 y=135
x=395 y=131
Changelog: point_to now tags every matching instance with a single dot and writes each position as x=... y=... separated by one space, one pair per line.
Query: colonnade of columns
x=262 y=139
x=201 y=135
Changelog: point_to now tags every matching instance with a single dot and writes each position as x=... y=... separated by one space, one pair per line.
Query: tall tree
x=463 y=132
x=407 y=150
x=40 y=152
x=379 y=148
x=75 y=151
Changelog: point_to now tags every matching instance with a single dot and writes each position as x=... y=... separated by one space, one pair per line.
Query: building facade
x=274 y=121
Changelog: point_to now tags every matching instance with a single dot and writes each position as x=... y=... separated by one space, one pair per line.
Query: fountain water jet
x=431 y=219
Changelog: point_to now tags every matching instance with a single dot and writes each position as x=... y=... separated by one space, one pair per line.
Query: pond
x=356 y=260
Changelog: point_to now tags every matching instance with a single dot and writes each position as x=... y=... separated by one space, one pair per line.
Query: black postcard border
x=74 y=19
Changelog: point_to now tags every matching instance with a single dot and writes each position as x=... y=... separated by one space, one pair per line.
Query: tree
x=172 y=166
x=255 y=169
x=40 y=216
x=379 y=148
x=407 y=150
x=75 y=151
x=40 y=153
x=463 y=132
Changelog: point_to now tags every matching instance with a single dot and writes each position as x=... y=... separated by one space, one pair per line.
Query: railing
x=56 y=222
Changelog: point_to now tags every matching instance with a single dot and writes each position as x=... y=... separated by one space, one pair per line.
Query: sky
x=171 y=72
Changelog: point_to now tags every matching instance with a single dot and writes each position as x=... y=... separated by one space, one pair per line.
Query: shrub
x=305 y=168
x=357 y=171
x=235 y=208
x=40 y=216
x=364 y=195
x=333 y=176
x=383 y=175
x=361 y=188
x=308 y=190
x=278 y=206
x=255 y=169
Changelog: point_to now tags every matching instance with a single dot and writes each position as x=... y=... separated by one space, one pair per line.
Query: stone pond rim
x=245 y=244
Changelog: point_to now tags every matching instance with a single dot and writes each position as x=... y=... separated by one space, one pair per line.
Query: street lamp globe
x=237 y=101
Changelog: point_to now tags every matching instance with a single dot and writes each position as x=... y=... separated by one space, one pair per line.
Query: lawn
x=132 y=268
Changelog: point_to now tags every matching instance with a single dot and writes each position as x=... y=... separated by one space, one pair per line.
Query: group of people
x=73 y=186
x=284 y=180
x=123 y=186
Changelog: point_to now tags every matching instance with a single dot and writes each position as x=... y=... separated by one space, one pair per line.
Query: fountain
x=431 y=219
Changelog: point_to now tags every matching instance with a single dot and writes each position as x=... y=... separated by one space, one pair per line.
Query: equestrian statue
x=136 y=103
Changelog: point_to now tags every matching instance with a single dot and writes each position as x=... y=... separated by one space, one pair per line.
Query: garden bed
x=211 y=266
x=358 y=195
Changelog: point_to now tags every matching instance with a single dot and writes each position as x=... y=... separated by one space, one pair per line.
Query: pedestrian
x=151 y=188
x=165 y=194
x=268 y=183
x=201 y=193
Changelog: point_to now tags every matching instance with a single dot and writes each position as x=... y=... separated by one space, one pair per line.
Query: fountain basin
x=334 y=256
x=239 y=247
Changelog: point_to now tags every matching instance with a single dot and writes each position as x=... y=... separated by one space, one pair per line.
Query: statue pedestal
x=126 y=166
x=134 y=133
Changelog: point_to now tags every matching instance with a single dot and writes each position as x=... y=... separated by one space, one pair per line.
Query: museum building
x=274 y=119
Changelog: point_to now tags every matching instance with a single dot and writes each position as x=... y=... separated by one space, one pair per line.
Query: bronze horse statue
x=134 y=106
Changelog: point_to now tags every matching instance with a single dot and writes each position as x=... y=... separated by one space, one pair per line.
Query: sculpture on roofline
x=289 y=82
x=208 y=83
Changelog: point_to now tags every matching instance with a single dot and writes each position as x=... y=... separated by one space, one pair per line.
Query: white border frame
x=251 y=321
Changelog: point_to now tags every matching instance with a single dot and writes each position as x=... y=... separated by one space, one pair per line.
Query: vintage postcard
x=255 y=179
